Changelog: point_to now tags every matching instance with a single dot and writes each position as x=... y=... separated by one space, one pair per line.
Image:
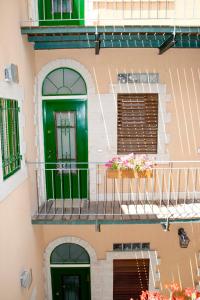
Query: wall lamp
x=183 y=238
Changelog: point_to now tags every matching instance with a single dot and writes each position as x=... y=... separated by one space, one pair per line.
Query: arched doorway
x=70 y=272
x=64 y=106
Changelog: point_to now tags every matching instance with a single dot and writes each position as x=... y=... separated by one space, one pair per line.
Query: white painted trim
x=52 y=245
x=69 y=265
x=82 y=97
x=14 y=91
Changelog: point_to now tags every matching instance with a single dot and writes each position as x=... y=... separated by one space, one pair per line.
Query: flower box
x=113 y=173
x=128 y=174
x=144 y=174
x=129 y=166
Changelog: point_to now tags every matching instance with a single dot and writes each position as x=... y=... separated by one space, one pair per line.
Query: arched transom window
x=64 y=81
x=69 y=253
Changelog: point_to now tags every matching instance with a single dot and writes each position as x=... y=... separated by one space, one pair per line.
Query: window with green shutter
x=9 y=134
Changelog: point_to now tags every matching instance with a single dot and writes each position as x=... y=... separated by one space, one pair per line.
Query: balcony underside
x=117 y=212
x=85 y=37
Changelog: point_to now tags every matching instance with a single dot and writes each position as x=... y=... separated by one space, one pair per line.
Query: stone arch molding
x=47 y=253
x=68 y=63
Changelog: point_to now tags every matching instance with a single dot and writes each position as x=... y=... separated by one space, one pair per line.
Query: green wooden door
x=66 y=149
x=61 y=12
x=70 y=283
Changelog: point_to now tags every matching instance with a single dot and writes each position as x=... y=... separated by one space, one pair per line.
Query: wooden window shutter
x=137 y=124
x=130 y=278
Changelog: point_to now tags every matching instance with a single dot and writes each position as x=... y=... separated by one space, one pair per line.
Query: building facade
x=80 y=83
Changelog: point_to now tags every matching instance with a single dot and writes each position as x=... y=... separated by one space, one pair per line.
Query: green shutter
x=9 y=133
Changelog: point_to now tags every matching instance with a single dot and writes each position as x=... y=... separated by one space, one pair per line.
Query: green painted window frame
x=9 y=135
x=64 y=94
x=69 y=249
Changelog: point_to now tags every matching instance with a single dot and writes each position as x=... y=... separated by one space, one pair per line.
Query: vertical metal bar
x=97 y=206
x=113 y=202
x=131 y=9
x=149 y=9
x=186 y=190
x=79 y=192
x=53 y=193
x=105 y=192
x=193 y=9
x=195 y=186
x=70 y=190
x=162 y=187
x=144 y=189
x=153 y=185
x=61 y=136
x=178 y=186
x=44 y=10
x=157 y=8
x=45 y=203
x=169 y=184
x=123 y=10
x=37 y=192
x=52 y=11
x=54 y=187
x=61 y=187
x=61 y=9
x=121 y=196
x=88 y=190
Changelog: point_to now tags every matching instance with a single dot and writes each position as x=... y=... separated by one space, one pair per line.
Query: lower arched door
x=71 y=283
x=70 y=272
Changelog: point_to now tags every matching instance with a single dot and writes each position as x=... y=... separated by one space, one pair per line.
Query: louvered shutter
x=9 y=134
x=130 y=278
x=137 y=123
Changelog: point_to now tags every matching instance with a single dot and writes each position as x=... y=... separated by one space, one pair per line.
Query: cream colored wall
x=174 y=13
x=19 y=241
x=177 y=264
x=178 y=69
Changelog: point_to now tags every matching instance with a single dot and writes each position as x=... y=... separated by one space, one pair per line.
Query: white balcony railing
x=113 y=12
x=173 y=192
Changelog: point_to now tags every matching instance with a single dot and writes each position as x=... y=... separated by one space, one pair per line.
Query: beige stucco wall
x=176 y=264
x=21 y=244
x=179 y=71
x=19 y=240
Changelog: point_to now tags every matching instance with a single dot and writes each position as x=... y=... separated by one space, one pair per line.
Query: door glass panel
x=66 y=135
x=62 y=6
x=71 y=287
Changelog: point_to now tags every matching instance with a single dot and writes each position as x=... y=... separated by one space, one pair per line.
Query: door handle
x=57 y=294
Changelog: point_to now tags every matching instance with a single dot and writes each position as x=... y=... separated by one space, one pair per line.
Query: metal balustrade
x=112 y=12
x=85 y=192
